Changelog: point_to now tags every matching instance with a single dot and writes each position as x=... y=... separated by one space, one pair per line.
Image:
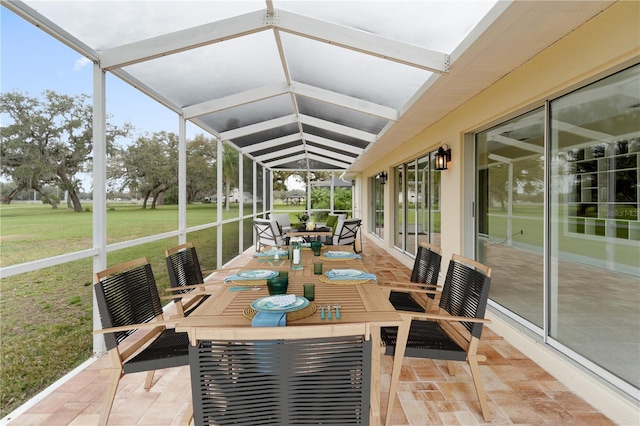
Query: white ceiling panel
x=333 y=84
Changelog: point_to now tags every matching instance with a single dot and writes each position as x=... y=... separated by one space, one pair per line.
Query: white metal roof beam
x=182 y=40
x=235 y=100
x=344 y=101
x=258 y=127
x=338 y=128
x=333 y=144
x=253 y=22
x=582 y=131
x=518 y=143
x=288 y=151
x=363 y=42
x=328 y=161
x=271 y=143
x=301 y=89
x=330 y=154
x=286 y=160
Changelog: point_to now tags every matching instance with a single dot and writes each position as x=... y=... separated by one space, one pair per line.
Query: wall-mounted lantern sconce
x=443 y=156
x=382 y=178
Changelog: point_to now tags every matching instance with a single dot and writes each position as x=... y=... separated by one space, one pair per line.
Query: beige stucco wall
x=607 y=43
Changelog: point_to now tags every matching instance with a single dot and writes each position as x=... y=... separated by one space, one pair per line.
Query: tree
x=230 y=163
x=49 y=141
x=201 y=166
x=279 y=180
x=342 y=199
x=149 y=166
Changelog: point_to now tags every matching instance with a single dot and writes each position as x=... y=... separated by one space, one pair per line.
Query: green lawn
x=46 y=316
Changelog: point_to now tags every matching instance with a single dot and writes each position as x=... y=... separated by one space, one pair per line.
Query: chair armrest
x=434 y=290
x=410 y=284
x=189 y=287
x=190 y=294
x=428 y=316
x=152 y=324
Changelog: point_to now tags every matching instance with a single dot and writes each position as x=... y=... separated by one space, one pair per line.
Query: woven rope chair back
x=324 y=380
x=426 y=267
x=465 y=293
x=184 y=268
x=127 y=297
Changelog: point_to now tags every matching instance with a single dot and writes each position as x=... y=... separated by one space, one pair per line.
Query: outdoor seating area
x=265 y=132
x=517 y=390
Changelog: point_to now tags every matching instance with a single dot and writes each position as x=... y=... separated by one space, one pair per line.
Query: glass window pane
x=377 y=210
x=422 y=199
x=399 y=198
x=411 y=227
x=510 y=208
x=259 y=189
x=435 y=230
x=595 y=232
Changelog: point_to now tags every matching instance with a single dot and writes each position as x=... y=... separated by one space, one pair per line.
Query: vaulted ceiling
x=318 y=85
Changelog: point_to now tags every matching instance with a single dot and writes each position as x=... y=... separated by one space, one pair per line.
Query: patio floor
x=518 y=390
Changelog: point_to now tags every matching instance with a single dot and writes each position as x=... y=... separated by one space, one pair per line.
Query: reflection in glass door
x=411 y=212
x=577 y=281
x=399 y=197
x=417 y=204
x=510 y=212
x=377 y=212
x=594 y=288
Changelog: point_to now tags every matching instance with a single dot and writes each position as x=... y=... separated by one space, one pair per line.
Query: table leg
x=375 y=375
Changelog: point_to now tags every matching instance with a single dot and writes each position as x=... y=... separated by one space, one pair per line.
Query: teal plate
x=258 y=275
x=265 y=304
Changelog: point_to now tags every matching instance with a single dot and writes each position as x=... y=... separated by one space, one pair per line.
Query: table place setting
x=329 y=315
x=272 y=311
x=273 y=253
x=347 y=276
x=339 y=255
x=256 y=275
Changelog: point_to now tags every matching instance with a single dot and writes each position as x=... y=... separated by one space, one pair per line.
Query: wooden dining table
x=360 y=302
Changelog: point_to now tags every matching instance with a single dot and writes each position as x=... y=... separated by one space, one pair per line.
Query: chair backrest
x=346 y=231
x=282 y=218
x=281 y=375
x=183 y=267
x=267 y=232
x=126 y=295
x=466 y=290
x=426 y=268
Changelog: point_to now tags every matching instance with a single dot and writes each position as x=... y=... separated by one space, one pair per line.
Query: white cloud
x=81 y=63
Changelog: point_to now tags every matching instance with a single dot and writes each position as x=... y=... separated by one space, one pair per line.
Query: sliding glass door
x=557 y=219
x=417 y=197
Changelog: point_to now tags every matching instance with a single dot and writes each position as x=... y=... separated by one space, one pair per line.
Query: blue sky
x=32 y=61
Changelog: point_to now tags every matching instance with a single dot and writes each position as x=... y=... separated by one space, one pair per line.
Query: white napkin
x=283 y=300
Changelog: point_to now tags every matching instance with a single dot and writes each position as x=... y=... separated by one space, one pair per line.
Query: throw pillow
x=332 y=222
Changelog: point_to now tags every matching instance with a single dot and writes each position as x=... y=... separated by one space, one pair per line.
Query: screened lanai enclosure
x=356 y=97
x=304 y=87
x=287 y=86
